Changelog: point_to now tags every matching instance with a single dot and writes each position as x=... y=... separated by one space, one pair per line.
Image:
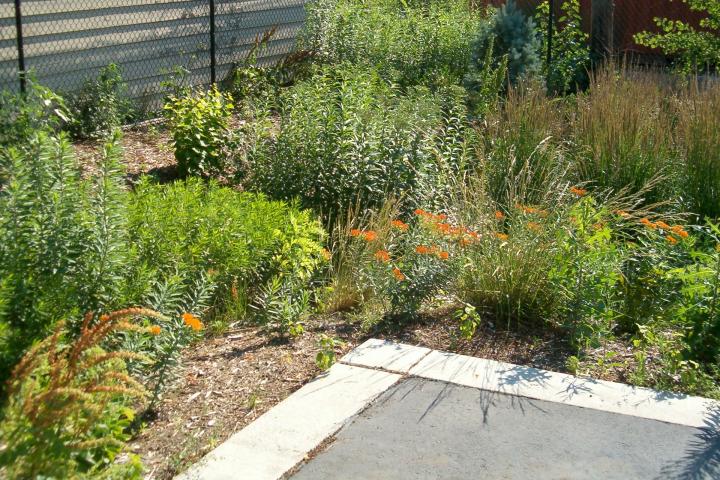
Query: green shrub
x=101 y=106
x=63 y=247
x=200 y=124
x=512 y=37
x=695 y=50
x=238 y=239
x=571 y=48
x=23 y=115
x=484 y=81
x=409 y=43
x=347 y=137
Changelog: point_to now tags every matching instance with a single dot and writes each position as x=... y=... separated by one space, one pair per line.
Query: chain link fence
x=65 y=42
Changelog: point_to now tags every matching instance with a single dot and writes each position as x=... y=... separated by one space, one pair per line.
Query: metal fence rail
x=65 y=42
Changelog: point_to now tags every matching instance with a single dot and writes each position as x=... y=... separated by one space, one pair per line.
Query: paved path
x=424 y=429
x=397 y=412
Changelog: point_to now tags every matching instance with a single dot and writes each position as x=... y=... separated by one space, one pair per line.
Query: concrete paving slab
x=391 y=356
x=424 y=429
x=566 y=389
x=282 y=437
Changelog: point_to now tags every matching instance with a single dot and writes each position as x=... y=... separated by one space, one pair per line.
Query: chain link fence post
x=213 y=58
x=20 y=45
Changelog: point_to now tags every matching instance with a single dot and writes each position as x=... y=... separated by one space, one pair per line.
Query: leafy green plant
x=69 y=403
x=63 y=244
x=408 y=43
x=370 y=141
x=570 y=48
x=101 y=106
x=24 y=115
x=484 y=80
x=468 y=320
x=237 y=239
x=694 y=49
x=200 y=126
x=512 y=37
x=325 y=357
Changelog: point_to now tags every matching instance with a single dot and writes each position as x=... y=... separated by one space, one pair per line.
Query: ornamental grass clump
x=70 y=401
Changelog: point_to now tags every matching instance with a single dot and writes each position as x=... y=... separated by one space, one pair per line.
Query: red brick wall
x=631 y=17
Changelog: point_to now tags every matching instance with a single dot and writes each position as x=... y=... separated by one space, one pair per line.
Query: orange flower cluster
x=499 y=215
x=422 y=213
x=674 y=231
x=532 y=210
x=192 y=321
x=534 y=226
x=622 y=213
x=502 y=236
x=433 y=250
x=382 y=255
x=399 y=276
x=400 y=225
x=155 y=330
x=368 y=235
x=580 y=192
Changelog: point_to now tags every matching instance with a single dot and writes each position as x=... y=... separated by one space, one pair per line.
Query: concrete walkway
x=392 y=411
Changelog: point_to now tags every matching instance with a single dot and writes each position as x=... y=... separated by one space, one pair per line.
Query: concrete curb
x=284 y=436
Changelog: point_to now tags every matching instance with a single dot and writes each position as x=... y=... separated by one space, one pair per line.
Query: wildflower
x=155 y=329
x=598 y=226
x=648 y=223
x=443 y=227
x=400 y=225
x=662 y=225
x=422 y=250
x=622 y=213
x=534 y=226
x=672 y=240
x=382 y=255
x=420 y=212
x=679 y=231
x=192 y=321
x=355 y=232
x=464 y=242
x=441 y=217
x=326 y=254
x=370 y=236
x=443 y=255
x=580 y=192
x=502 y=236
x=474 y=235
x=499 y=215
x=399 y=276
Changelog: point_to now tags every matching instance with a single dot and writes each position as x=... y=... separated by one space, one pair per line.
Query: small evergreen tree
x=512 y=36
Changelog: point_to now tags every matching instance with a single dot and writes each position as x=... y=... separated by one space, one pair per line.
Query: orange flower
x=382 y=255
x=370 y=236
x=443 y=227
x=502 y=236
x=599 y=226
x=444 y=255
x=399 y=276
x=680 y=231
x=648 y=223
x=580 y=192
x=355 y=232
x=326 y=254
x=155 y=329
x=499 y=215
x=192 y=321
x=421 y=212
x=672 y=240
x=464 y=242
x=662 y=225
x=534 y=226
x=422 y=249
x=442 y=216
x=400 y=225
x=622 y=213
